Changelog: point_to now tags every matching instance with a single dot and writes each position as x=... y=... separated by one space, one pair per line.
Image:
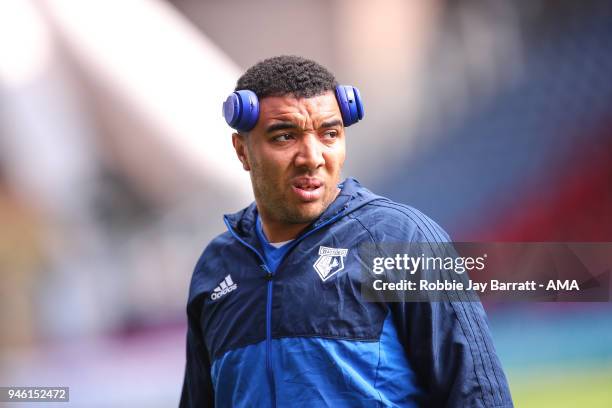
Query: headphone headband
x=241 y=108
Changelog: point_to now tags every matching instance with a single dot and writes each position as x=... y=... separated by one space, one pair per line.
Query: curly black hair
x=287 y=74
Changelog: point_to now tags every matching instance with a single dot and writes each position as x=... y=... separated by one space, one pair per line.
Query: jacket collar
x=352 y=196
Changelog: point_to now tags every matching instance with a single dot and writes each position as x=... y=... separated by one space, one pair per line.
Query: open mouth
x=307 y=189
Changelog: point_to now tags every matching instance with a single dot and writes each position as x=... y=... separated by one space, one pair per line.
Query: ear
x=240 y=146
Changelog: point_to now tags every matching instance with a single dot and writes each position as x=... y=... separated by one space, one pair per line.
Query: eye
x=330 y=134
x=284 y=137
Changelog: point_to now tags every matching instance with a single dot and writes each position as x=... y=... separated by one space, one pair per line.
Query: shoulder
x=390 y=220
x=210 y=260
x=215 y=248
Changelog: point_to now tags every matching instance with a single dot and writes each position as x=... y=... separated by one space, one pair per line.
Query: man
x=275 y=312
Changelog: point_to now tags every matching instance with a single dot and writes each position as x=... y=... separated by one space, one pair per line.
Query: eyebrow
x=281 y=126
x=290 y=125
x=331 y=123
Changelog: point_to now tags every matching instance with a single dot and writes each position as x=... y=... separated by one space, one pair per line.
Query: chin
x=307 y=213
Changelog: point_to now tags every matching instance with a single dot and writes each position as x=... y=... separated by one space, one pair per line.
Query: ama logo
x=330 y=262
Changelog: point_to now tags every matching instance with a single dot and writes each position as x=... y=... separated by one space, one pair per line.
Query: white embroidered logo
x=330 y=262
x=225 y=287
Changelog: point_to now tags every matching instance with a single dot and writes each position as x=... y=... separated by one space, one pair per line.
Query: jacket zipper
x=270 y=279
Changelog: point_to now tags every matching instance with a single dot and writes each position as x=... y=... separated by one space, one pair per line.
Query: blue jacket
x=303 y=336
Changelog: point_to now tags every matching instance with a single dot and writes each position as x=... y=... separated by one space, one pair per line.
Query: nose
x=309 y=155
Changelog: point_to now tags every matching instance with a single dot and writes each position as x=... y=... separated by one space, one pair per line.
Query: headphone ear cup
x=351 y=105
x=241 y=110
x=343 y=104
x=358 y=104
x=231 y=110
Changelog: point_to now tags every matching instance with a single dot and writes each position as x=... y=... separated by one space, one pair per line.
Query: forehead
x=288 y=107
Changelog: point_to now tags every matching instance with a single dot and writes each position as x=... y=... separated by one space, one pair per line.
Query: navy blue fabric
x=321 y=333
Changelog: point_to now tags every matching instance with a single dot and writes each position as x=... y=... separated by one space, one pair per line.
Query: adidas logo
x=225 y=287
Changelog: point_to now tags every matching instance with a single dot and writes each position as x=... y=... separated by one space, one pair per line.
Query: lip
x=307 y=195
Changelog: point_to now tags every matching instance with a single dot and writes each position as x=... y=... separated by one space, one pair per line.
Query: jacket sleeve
x=451 y=350
x=447 y=340
x=197 y=384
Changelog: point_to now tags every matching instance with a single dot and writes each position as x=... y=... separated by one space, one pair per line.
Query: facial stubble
x=273 y=201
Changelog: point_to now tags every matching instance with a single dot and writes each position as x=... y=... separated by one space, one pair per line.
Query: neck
x=280 y=232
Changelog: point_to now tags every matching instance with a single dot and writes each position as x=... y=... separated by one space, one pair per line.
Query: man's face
x=295 y=155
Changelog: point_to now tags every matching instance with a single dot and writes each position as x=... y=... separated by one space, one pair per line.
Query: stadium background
x=494 y=118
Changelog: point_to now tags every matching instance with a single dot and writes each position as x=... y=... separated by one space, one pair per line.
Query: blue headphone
x=241 y=108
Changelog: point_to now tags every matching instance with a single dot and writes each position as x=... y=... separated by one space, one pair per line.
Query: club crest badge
x=330 y=262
